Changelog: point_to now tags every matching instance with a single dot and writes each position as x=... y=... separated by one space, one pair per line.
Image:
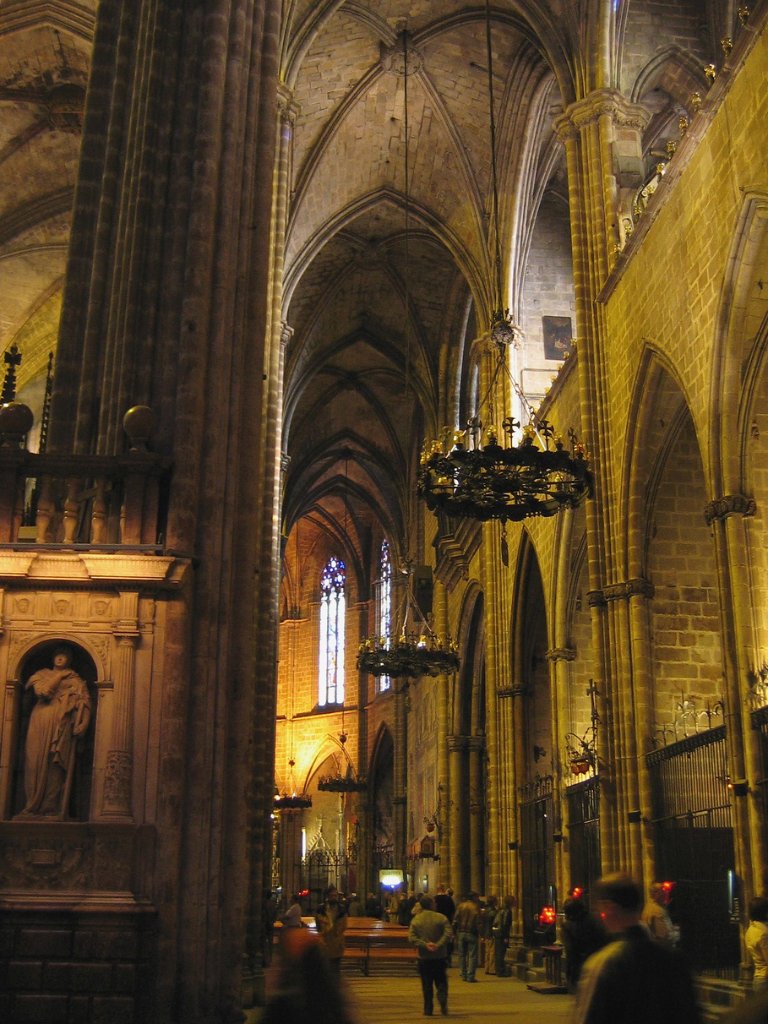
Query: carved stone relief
x=71 y=857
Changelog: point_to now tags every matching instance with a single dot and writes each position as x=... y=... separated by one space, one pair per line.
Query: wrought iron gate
x=694 y=845
x=536 y=853
x=324 y=867
x=584 y=833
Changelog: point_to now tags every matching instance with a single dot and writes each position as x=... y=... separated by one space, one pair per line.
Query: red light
x=576 y=892
x=548 y=915
x=667 y=886
x=303 y=892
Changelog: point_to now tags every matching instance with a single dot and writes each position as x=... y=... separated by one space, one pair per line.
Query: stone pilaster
x=475 y=746
x=730 y=520
x=118 y=771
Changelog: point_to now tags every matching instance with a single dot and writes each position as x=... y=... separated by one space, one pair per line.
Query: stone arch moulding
x=640 y=476
x=740 y=344
x=466 y=681
x=77 y=773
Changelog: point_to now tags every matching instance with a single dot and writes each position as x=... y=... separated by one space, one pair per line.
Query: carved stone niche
x=58 y=858
x=74 y=802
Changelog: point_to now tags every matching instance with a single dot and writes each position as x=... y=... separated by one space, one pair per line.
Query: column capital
x=457 y=743
x=561 y=654
x=729 y=505
x=286 y=333
x=287 y=106
x=512 y=690
x=597 y=104
x=126 y=634
x=638 y=587
x=628 y=588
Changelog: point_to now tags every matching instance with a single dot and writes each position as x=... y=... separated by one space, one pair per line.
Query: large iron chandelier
x=480 y=472
x=470 y=474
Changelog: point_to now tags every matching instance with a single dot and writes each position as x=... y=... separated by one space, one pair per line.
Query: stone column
x=291 y=821
x=458 y=813
x=168 y=287
x=118 y=774
x=559 y=659
x=639 y=594
x=729 y=519
x=475 y=746
x=400 y=775
x=602 y=135
x=270 y=469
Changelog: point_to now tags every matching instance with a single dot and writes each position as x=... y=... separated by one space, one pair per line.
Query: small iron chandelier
x=349 y=782
x=411 y=653
x=292 y=801
x=468 y=473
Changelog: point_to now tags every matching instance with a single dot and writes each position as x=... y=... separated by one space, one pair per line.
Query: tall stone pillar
x=169 y=286
x=290 y=840
x=602 y=135
x=559 y=659
x=458 y=813
x=729 y=519
x=476 y=754
x=400 y=775
x=447 y=850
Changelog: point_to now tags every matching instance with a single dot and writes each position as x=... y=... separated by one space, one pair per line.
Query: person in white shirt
x=756 y=940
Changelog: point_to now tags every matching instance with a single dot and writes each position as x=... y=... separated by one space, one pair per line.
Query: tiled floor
x=394 y=999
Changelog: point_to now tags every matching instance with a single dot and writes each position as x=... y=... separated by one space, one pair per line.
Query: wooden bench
x=382 y=943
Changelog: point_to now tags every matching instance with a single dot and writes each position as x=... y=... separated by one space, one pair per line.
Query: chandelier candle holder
x=409 y=655
x=350 y=782
x=413 y=650
x=292 y=801
x=472 y=476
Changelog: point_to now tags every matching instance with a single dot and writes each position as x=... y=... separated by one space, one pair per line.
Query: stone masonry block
x=79 y=1010
x=124 y=978
x=25 y=974
x=113 y=1010
x=91 y=977
x=46 y=1009
x=56 y=977
x=44 y=942
x=7 y=937
x=106 y=944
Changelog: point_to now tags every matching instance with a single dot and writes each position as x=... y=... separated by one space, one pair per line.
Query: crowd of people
x=622 y=960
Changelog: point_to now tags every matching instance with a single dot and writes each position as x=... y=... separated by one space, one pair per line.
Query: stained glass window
x=384 y=624
x=332 y=615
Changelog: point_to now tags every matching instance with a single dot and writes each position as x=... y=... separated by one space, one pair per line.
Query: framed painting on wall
x=558 y=336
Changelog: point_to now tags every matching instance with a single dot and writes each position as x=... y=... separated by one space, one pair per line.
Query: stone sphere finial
x=16 y=421
x=139 y=425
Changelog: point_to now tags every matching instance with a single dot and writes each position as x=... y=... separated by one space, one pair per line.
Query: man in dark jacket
x=430 y=933
x=633 y=979
x=466 y=924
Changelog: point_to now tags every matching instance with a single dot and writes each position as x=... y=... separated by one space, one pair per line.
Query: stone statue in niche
x=61 y=714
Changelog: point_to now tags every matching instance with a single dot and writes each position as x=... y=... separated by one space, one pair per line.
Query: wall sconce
x=740 y=787
x=634 y=817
